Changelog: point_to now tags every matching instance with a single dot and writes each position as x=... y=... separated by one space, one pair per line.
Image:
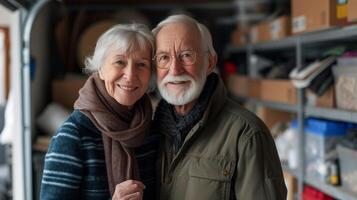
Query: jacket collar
x=216 y=102
x=214 y=106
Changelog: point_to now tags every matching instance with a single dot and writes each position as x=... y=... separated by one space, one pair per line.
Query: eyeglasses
x=163 y=60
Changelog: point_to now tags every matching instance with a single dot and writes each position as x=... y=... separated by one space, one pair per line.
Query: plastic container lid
x=326 y=127
x=293 y=124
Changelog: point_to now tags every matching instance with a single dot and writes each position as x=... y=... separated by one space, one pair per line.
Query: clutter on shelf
x=52 y=118
x=347 y=155
x=311 y=193
x=345 y=74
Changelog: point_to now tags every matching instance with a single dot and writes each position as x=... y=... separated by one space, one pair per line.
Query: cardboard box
x=351 y=11
x=271 y=30
x=243 y=86
x=254 y=88
x=271 y=116
x=280 y=28
x=238 y=85
x=240 y=37
x=326 y=100
x=260 y=32
x=280 y=91
x=291 y=185
x=313 y=15
x=65 y=91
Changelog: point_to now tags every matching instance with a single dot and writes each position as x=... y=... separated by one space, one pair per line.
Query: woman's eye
x=120 y=62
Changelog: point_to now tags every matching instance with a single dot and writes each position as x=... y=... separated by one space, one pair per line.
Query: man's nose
x=176 y=68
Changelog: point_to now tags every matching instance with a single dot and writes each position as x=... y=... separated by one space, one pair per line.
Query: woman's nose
x=129 y=72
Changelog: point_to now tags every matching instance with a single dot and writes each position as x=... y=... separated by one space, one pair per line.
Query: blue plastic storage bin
x=321 y=139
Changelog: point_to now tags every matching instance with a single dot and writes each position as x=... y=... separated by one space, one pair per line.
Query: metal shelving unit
x=332 y=34
x=332 y=114
x=329 y=35
x=156 y=6
x=331 y=190
x=298 y=43
x=277 y=106
x=311 y=111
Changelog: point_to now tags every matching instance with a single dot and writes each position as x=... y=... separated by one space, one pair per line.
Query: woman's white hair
x=204 y=32
x=123 y=37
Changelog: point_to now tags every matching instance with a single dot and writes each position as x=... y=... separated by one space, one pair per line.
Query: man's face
x=181 y=83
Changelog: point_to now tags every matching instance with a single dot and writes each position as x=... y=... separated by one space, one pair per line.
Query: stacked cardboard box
x=327 y=100
x=273 y=90
x=291 y=185
x=317 y=15
x=280 y=91
x=351 y=11
x=272 y=116
x=260 y=32
x=280 y=28
x=239 y=37
x=271 y=30
x=244 y=86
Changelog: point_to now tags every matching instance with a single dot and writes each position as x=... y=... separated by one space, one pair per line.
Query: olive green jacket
x=229 y=154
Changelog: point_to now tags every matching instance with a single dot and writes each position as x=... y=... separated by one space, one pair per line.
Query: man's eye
x=163 y=58
x=186 y=55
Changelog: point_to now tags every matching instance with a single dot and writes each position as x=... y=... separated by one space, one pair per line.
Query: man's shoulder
x=233 y=112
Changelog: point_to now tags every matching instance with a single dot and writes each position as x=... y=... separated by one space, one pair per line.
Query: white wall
x=12 y=19
x=2 y=67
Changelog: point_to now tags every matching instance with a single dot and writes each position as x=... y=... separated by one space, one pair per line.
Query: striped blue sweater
x=75 y=163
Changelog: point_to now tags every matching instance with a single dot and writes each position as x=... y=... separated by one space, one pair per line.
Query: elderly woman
x=103 y=149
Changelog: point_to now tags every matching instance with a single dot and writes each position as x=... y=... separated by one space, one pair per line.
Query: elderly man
x=212 y=148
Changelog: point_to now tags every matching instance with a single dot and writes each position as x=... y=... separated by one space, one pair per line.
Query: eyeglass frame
x=171 y=56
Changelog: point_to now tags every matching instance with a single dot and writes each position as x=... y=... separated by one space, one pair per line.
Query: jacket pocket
x=209 y=178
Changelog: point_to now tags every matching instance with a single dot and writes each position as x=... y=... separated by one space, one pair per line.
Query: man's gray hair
x=123 y=37
x=204 y=32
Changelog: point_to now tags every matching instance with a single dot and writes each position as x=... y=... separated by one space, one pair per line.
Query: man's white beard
x=185 y=95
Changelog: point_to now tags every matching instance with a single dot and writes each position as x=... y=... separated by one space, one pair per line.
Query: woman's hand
x=129 y=190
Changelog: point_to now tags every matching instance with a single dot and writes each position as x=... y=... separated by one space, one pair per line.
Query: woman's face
x=127 y=75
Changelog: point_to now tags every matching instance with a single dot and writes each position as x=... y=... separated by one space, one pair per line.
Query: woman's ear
x=100 y=74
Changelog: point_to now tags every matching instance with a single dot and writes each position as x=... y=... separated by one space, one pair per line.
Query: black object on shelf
x=350 y=141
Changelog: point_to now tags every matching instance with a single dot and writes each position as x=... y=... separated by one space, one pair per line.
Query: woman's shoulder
x=77 y=125
x=81 y=119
